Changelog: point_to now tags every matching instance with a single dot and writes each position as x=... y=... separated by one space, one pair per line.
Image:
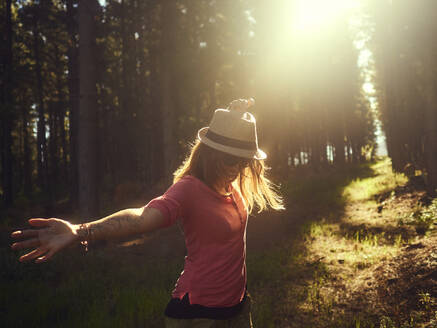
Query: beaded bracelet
x=84 y=234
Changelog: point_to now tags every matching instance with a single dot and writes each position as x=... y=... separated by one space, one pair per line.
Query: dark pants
x=242 y=320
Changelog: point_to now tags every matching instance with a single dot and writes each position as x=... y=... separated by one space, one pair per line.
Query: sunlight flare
x=312 y=15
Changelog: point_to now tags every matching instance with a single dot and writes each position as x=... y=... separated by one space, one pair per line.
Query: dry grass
x=342 y=255
x=352 y=249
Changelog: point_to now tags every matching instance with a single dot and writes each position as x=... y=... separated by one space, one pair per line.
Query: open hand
x=55 y=235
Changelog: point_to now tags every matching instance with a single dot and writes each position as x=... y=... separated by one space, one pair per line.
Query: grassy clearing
x=323 y=274
x=327 y=275
x=383 y=180
x=345 y=245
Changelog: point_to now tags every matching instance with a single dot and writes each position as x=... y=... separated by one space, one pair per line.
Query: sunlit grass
x=346 y=246
x=353 y=252
x=363 y=189
x=324 y=190
x=359 y=248
x=294 y=282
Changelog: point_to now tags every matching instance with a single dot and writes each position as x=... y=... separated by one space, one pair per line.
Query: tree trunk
x=52 y=172
x=431 y=130
x=27 y=163
x=73 y=98
x=87 y=132
x=41 y=127
x=7 y=117
x=59 y=128
x=338 y=141
x=155 y=133
x=127 y=170
x=168 y=41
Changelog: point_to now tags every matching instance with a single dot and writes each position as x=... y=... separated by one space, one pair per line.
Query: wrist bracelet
x=84 y=234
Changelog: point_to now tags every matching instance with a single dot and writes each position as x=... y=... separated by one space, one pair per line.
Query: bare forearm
x=121 y=224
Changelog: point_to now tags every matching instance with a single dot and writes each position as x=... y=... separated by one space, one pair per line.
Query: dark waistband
x=182 y=309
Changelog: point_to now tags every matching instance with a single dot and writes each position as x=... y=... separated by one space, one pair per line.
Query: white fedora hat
x=233 y=132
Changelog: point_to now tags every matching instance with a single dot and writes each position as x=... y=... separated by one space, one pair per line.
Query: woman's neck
x=223 y=189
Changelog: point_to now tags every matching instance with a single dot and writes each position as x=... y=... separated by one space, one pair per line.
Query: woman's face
x=233 y=166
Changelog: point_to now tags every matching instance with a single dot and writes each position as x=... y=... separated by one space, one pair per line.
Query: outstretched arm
x=121 y=224
x=57 y=234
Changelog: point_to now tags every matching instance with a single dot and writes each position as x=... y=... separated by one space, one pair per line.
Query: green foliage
x=386 y=322
x=425 y=300
x=422 y=218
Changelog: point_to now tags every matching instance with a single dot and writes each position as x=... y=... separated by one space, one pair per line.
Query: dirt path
x=367 y=269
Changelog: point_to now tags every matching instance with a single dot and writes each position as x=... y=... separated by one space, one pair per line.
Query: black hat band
x=248 y=145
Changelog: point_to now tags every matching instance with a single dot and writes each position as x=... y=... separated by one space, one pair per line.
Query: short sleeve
x=175 y=202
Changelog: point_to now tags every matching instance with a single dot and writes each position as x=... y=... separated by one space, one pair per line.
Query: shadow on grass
x=386 y=235
x=283 y=277
x=109 y=286
x=92 y=291
x=290 y=283
x=325 y=189
x=113 y=288
x=382 y=220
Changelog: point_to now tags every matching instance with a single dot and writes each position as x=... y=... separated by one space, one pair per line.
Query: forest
x=101 y=100
x=86 y=87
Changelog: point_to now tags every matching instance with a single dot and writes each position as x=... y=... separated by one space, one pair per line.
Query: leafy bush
x=422 y=217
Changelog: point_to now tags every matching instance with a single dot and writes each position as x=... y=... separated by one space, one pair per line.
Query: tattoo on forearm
x=120 y=224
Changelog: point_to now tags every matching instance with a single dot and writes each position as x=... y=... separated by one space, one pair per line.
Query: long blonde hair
x=207 y=164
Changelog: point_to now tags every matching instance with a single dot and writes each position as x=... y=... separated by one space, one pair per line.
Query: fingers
x=241 y=104
x=42 y=253
x=31 y=232
x=238 y=104
x=26 y=244
x=40 y=222
x=24 y=234
x=32 y=255
x=45 y=257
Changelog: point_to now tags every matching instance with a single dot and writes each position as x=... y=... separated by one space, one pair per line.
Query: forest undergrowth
x=354 y=248
x=364 y=255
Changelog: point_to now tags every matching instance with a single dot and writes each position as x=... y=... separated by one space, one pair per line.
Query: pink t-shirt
x=214 y=226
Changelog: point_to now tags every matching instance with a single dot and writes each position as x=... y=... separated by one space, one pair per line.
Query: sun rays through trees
x=321 y=75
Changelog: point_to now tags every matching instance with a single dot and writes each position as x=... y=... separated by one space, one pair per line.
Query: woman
x=216 y=187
